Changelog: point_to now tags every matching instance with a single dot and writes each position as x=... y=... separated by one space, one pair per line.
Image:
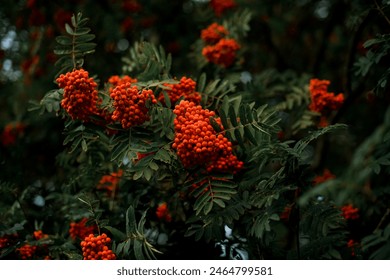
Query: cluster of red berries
x=96 y=248
x=11 y=133
x=3 y=242
x=110 y=182
x=80 y=94
x=213 y=33
x=131 y=104
x=28 y=251
x=116 y=80
x=163 y=213
x=326 y=175
x=350 y=212
x=323 y=101
x=225 y=164
x=198 y=144
x=185 y=88
x=222 y=53
x=220 y=6
x=7 y=240
x=219 y=49
x=80 y=230
x=38 y=234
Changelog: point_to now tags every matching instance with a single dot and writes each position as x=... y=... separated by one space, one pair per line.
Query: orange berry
x=126 y=96
x=192 y=143
x=213 y=33
x=80 y=97
x=96 y=248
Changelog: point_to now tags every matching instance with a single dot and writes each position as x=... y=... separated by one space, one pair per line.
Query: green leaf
x=237 y=134
x=224 y=120
x=84 y=145
x=62 y=50
x=75 y=145
x=207 y=208
x=202 y=201
x=117 y=234
x=64 y=61
x=147 y=172
x=219 y=202
x=81 y=31
x=233 y=116
x=163 y=155
x=126 y=247
x=201 y=83
x=64 y=40
x=224 y=184
x=138 y=174
x=73 y=19
x=69 y=29
x=84 y=38
x=153 y=166
x=249 y=134
x=85 y=47
x=223 y=190
x=200 y=189
x=131 y=223
x=138 y=250
x=81 y=21
x=167 y=100
x=215 y=125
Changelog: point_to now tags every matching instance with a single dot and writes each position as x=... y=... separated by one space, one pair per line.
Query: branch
x=382 y=220
x=381 y=12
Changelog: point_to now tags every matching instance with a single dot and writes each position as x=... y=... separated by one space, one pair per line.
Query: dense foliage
x=194 y=129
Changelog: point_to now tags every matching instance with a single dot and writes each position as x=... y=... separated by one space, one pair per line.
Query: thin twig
x=382 y=220
x=381 y=12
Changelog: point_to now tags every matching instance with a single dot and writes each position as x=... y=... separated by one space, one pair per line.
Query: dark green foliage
x=133 y=244
x=377 y=244
x=73 y=47
x=147 y=62
x=378 y=51
x=273 y=205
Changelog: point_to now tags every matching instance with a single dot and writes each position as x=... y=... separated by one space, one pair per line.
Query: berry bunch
x=162 y=212
x=131 y=104
x=213 y=33
x=80 y=229
x=323 y=101
x=225 y=164
x=27 y=251
x=198 y=144
x=7 y=240
x=222 y=53
x=185 y=88
x=110 y=182
x=116 y=80
x=38 y=234
x=3 y=242
x=96 y=248
x=220 y=6
x=11 y=133
x=327 y=175
x=350 y=212
x=80 y=94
